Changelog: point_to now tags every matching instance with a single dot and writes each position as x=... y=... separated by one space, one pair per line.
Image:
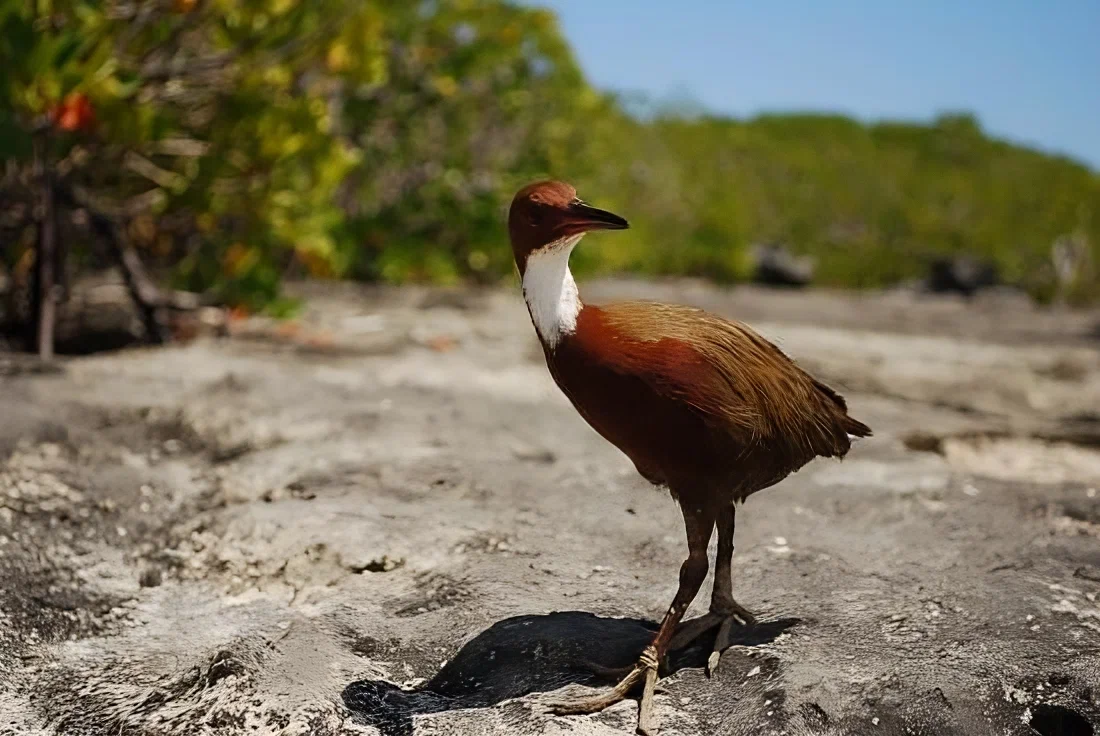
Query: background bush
x=238 y=141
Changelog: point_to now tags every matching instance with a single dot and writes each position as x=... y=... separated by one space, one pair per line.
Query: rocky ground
x=219 y=537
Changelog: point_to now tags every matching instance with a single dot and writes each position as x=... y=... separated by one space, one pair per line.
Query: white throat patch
x=550 y=291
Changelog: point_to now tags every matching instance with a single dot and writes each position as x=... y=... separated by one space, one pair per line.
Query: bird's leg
x=721 y=598
x=724 y=610
x=699 y=524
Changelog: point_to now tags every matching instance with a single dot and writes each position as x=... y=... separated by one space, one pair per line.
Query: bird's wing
x=737 y=380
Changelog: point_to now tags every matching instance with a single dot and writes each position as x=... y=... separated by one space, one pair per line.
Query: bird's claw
x=567 y=700
x=721 y=643
x=712 y=663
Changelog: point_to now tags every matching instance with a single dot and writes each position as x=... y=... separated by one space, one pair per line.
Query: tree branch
x=46 y=260
x=148 y=298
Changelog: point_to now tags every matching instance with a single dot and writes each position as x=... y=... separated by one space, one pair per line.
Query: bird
x=704 y=407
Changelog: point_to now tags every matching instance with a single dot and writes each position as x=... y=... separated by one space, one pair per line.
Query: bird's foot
x=575 y=703
x=724 y=616
x=733 y=609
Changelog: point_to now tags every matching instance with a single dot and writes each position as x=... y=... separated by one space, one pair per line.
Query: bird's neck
x=550 y=291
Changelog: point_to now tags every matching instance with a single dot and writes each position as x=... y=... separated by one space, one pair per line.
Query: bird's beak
x=583 y=217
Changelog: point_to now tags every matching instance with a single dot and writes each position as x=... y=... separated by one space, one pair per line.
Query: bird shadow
x=535 y=653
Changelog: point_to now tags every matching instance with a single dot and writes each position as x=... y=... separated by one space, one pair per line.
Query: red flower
x=73 y=113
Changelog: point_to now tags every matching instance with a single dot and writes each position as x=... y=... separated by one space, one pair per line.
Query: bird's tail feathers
x=856 y=428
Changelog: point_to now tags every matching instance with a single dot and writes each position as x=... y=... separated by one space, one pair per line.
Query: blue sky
x=1030 y=70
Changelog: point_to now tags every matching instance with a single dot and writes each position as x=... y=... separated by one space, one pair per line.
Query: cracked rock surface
x=219 y=537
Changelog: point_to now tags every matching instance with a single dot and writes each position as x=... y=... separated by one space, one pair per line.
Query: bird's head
x=547 y=214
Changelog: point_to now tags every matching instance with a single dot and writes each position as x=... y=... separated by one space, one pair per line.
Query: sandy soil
x=219 y=537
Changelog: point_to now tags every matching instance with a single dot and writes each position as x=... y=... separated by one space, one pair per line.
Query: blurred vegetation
x=236 y=142
x=874 y=204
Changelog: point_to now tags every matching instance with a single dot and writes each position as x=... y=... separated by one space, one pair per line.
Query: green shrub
x=239 y=141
